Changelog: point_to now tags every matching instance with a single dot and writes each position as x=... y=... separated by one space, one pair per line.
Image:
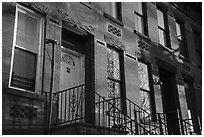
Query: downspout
x=53 y=42
x=43 y=68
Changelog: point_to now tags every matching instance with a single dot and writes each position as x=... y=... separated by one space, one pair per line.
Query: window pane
x=162 y=37
x=138 y=7
x=113 y=89
x=160 y=17
x=178 y=31
x=111 y=9
x=24 y=69
x=27 y=32
x=181 y=48
x=145 y=101
x=143 y=76
x=139 y=26
x=113 y=64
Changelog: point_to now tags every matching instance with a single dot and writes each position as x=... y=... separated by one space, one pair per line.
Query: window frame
x=39 y=54
x=112 y=78
x=198 y=48
x=144 y=19
x=122 y=75
x=117 y=15
x=151 y=88
x=165 y=30
x=184 y=50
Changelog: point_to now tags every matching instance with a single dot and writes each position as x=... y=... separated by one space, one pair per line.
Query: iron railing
x=108 y=113
x=132 y=120
x=145 y=120
x=135 y=122
x=70 y=105
x=188 y=126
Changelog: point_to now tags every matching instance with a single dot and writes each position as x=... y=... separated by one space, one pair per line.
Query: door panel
x=71 y=74
x=71 y=70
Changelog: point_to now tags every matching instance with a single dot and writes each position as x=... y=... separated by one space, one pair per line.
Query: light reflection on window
x=144 y=86
x=113 y=88
x=139 y=17
x=113 y=71
x=143 y=76
x=145 y=101
x=113 y=64
x=161 y=27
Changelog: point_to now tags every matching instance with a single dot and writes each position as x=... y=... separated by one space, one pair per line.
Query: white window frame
x=163 y=29
x=38 y=78
x=142 y=16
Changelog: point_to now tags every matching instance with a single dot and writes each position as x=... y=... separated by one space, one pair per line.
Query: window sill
x=25 y=94
x=86 y=4
x=184 y=58
x=113 y=19
x=166 y=48
x=142 y=35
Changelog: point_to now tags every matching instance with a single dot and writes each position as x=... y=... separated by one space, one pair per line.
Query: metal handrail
x=69 y=89
x=70 y=105
x=137 y=106
x=124 y=115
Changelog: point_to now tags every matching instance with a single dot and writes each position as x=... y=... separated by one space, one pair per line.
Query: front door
x=170 y=100
x=72 y=69
x=71 y=99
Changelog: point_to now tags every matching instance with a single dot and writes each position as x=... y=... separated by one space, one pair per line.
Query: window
x=140 y=21
x=181 y=38
x=144 y=86
x=198 y=47
x=25 y=50
x=114 y=9
x=162 y=28
x=114 y=78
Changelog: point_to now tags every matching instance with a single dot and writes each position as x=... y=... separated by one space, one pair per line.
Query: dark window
x=162 y=28
x=24 y=69
x=198 y=47
x=144 y=86
x=181 y=39
x=140 y=17
x=26 y=49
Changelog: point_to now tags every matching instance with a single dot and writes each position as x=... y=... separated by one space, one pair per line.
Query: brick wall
x=24 y=110
x=8 y=19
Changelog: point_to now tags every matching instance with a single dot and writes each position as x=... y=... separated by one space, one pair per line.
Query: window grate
x=114 y=30
x=143 y=45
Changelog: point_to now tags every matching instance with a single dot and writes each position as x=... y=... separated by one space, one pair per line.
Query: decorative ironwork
x=136 y=121
x=71 y=105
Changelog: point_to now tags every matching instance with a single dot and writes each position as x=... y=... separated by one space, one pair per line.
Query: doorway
x=190 y=123
x=76 y=72
x=170 y=100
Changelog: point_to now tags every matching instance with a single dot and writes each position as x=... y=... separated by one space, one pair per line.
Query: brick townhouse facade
x=101 y=68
